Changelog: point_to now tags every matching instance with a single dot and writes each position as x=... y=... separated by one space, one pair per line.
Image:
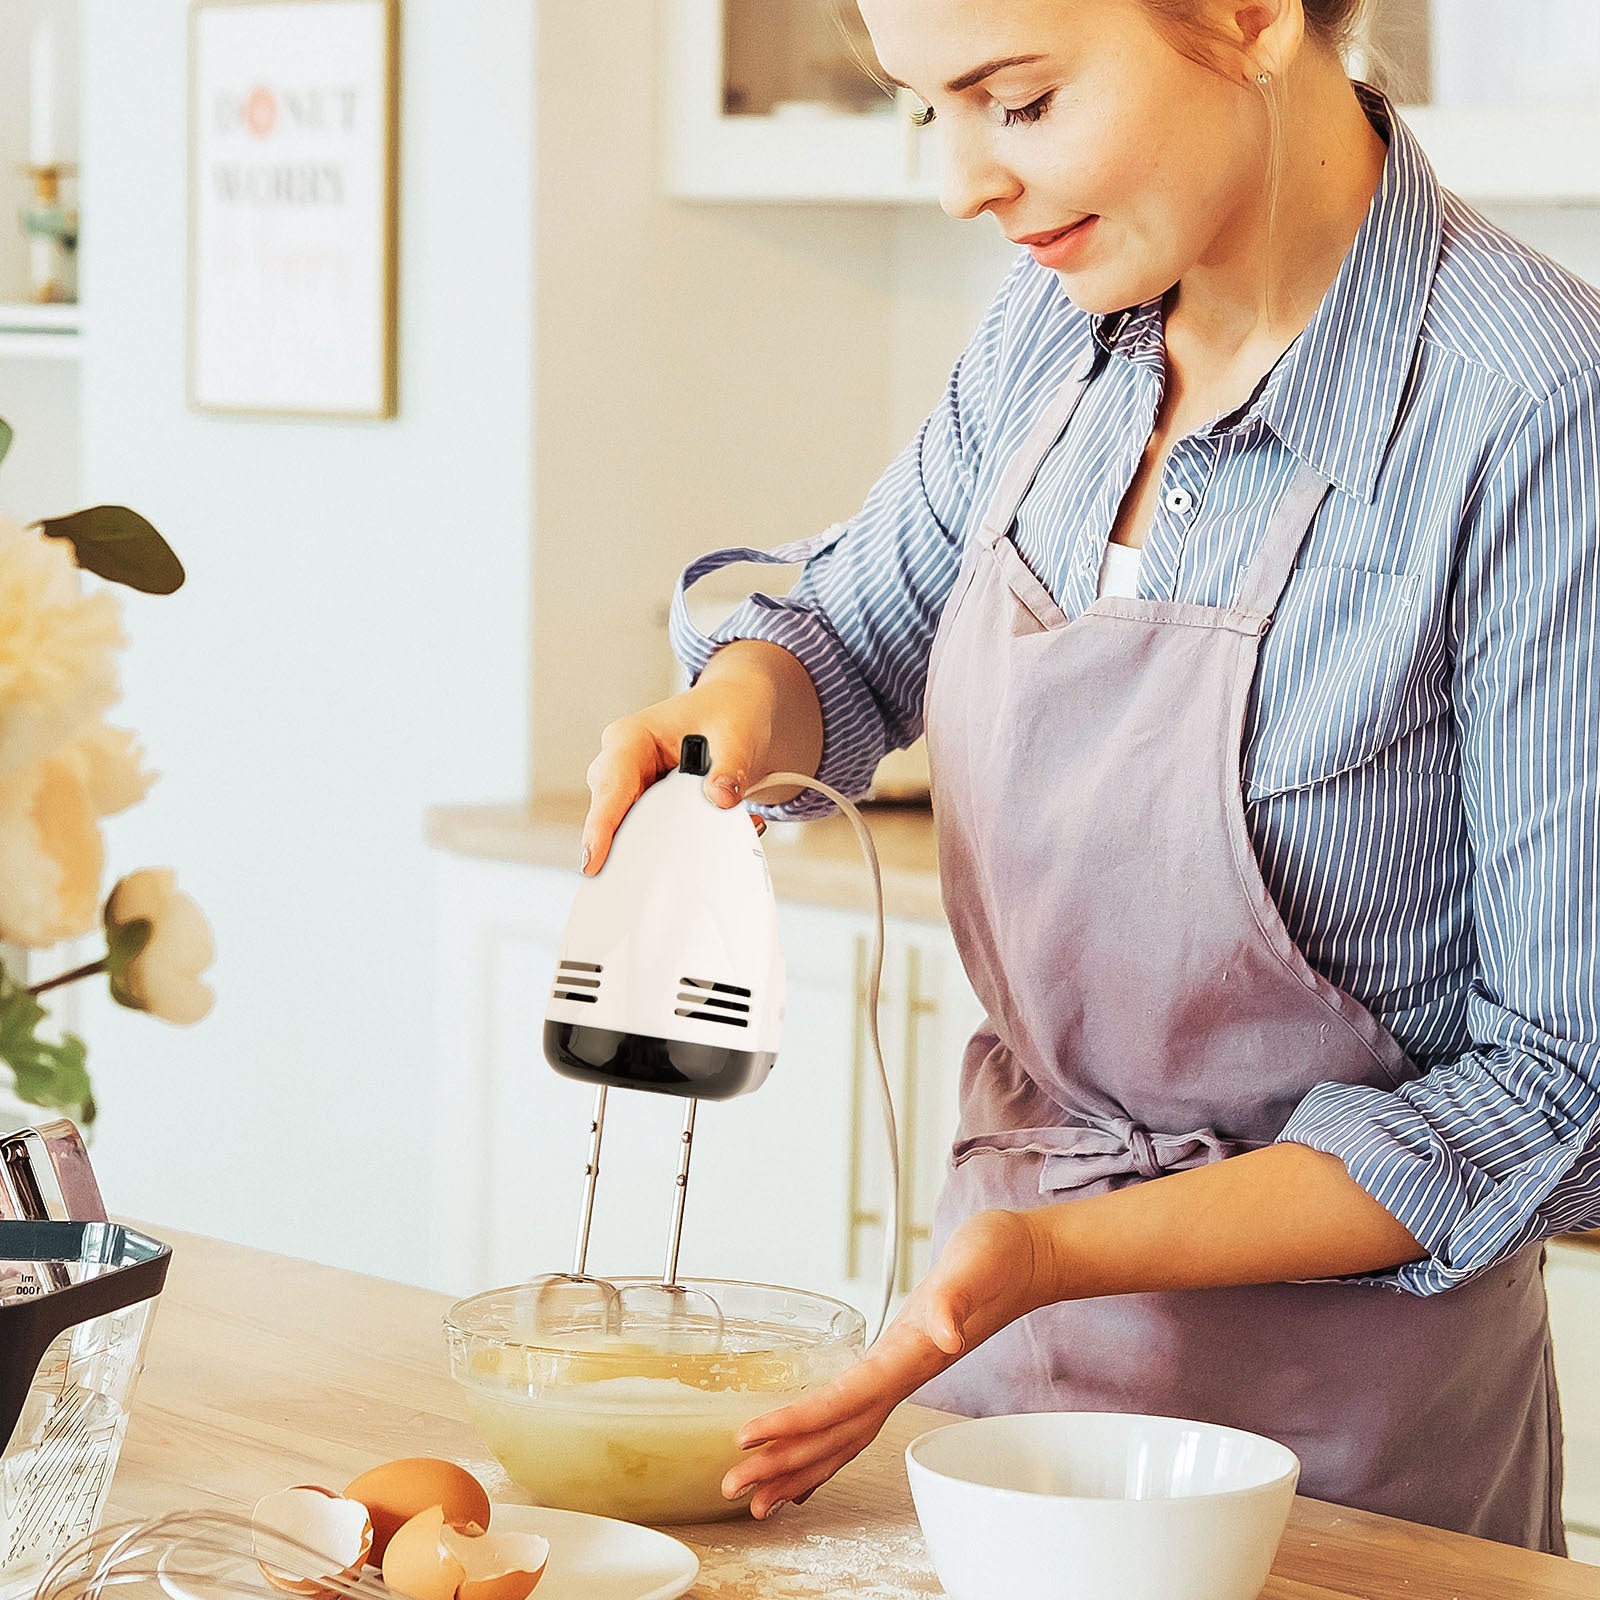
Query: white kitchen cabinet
x=764 y=101
x=787 y=1185
x=1572 y=1278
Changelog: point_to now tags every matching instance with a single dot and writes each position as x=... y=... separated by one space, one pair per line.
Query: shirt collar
x=1334 y=395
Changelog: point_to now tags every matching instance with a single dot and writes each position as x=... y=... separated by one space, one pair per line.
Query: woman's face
x=1159 y=158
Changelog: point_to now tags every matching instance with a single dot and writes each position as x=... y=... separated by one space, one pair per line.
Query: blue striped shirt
x=1422 y=753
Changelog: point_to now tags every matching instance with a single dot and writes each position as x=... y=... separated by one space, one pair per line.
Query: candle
x=41 y=94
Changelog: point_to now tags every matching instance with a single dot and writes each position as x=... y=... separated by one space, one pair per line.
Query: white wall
x=707 y=375
x=351 y=648
x=39 y=398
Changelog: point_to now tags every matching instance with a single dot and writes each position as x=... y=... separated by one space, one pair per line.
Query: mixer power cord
x=891 y=1237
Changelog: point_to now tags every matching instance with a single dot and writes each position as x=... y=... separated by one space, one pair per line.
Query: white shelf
x=39 y=333
x=18 y=345
x=18 y=316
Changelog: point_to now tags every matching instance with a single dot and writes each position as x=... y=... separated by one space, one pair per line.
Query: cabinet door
x=1572 y=1277
x=939 y=1016
x=768 y=1193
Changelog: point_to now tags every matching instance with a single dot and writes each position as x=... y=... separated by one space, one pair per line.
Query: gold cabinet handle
x=860 y=1216
x=918 y=1006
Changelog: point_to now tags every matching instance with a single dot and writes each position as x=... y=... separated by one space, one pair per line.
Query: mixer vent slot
x=710 y=1001
x=577 y=980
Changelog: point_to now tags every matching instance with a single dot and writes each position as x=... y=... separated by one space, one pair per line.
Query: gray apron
x=1148 y=1011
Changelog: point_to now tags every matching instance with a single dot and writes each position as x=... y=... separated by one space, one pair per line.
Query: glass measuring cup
x=76 y=1300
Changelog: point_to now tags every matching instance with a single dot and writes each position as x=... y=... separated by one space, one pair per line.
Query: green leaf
x=125 y=941
x=46 y=1072
x=6 y=436
x=119 y=545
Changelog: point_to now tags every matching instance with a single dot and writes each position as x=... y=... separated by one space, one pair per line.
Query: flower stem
x=69 y=977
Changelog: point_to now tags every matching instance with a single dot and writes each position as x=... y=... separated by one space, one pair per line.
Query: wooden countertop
x=816 y=863
x=265 y=1371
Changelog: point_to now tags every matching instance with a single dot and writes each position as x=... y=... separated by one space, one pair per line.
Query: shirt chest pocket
x=1327 y=695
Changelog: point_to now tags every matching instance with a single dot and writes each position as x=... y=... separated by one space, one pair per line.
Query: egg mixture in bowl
x=639 y=1421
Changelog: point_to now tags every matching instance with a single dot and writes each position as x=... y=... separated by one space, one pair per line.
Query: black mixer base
x=644 y=1061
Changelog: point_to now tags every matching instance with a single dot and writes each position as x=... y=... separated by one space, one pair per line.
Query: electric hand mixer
x=670 y=980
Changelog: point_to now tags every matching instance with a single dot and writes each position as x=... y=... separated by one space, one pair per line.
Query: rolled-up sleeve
x=1500 y=1147
x=862 y=614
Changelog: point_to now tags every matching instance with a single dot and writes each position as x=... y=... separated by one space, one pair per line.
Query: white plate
x=591 y=1558
x=599 y=1558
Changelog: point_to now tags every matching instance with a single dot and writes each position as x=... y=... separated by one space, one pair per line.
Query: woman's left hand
x=989 y=1274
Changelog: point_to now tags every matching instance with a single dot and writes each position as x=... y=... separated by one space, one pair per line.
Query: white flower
x=57 y=647
x=50 y=851
x=164 y=977
x=50 y=854
x=112 y=764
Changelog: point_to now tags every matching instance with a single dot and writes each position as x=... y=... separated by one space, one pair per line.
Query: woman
x=1317 y=900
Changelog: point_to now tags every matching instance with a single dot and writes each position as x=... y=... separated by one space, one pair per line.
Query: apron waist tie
x=1077 y=1154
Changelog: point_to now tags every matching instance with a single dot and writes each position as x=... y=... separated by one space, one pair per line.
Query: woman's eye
x=1027 y=113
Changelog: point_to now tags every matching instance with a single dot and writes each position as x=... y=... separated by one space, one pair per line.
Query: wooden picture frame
x=293 y=213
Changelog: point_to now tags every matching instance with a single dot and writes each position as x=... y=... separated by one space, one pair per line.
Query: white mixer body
x=670 y=976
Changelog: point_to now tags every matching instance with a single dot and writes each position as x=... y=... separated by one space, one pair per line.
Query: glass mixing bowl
x=639 y=1422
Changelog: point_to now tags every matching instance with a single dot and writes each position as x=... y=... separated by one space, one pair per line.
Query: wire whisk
x=199 y=1555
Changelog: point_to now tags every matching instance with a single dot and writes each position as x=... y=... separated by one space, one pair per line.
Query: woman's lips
x=1058 y=248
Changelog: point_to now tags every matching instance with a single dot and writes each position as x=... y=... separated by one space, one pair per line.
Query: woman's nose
x=970 y=179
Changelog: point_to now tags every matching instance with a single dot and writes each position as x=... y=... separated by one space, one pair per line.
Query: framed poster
x=293 y=142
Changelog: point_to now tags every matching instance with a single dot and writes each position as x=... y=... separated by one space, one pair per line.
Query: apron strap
x=1029 y=456
x=1268 y=572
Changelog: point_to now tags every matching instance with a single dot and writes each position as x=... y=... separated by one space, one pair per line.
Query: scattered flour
x=863 y=1561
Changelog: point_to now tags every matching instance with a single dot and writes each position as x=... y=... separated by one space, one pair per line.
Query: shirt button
x=1180 y=500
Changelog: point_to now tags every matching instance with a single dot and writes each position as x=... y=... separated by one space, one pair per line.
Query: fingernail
x=583 y=865
x=728 y=786
x=776 y=1507
x=741 y=1493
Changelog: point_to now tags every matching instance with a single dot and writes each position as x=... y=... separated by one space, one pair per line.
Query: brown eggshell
x=498 y=1566
x=395 y=1492
x=338 y=1527
x=418 y=1564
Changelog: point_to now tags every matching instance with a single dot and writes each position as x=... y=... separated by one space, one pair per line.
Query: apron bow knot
x=1119 y=1147
x=1076 y=1154
x=1142 y=1151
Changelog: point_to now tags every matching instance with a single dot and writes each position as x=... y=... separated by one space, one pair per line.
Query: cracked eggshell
x=395 y=1492
x=418 y=1564
x=338 y=1529
x=499 y=1566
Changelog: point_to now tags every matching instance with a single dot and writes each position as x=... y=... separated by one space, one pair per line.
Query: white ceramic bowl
x=1081 y=1505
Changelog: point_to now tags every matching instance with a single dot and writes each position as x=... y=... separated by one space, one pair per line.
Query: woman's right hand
x=759 y=713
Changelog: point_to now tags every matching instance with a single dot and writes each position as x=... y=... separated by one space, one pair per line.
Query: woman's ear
x=1268 y=33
